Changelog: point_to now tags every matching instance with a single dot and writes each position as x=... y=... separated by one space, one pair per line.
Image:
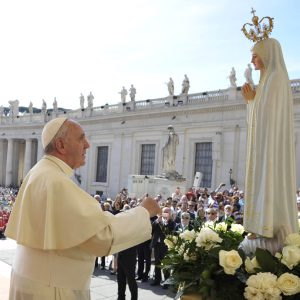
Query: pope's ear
x=60 y=145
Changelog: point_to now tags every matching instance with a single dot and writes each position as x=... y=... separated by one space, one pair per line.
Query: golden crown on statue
x=260 y=30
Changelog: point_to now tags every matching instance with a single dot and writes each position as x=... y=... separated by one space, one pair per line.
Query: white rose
x=251 y=265
x=272 y=293
x=207 y=238
x=252 y=293
x=237 y=228
x=230 y=261
x=189 y=257
x=267 y=280
x=289 y=284
x=262 y=281
x=293 y=239
x=290 y=256
x=169 y=243
x=253 y=281
x=181 y=250
x=210 y=224
x=221 y=226
x=188 y=235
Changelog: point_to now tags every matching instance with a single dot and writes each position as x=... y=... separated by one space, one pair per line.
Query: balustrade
x=221 y=96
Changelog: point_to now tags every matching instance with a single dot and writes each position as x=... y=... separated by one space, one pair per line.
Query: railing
x=219 y=96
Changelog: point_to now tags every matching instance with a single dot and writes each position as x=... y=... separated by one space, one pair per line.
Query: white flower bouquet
x=208 y=260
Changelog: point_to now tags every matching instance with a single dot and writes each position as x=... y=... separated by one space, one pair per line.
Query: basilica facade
x=127 y=139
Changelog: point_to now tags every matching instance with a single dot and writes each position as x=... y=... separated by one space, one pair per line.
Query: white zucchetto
x=51 y=129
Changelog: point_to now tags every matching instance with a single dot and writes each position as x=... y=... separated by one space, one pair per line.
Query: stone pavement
x=103 y=284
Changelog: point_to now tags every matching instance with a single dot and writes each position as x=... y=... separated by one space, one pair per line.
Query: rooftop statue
x=13 y=107
x=232 y=78
x=123 y=94
x=170 y=85
x=81 y=98
x=132 y=92
x=90 y=101
x=248 y=75
x=185 y=85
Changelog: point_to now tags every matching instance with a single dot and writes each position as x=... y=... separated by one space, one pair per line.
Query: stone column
x=9 y=162
x=40 y=150
x=236 y=152
x=2 y=161
x=27 y=159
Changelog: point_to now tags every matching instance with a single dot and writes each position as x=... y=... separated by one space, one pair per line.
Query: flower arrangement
x=207 y=260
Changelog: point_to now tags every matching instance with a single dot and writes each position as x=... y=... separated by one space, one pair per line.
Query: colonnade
x=17 y=156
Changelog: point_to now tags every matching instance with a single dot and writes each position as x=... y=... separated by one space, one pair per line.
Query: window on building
x=147 y=159
x=102 y=160
x=203 y=162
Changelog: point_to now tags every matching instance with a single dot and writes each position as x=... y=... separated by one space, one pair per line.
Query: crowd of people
x=180 y=211
x=7 y=198
x=183 y=210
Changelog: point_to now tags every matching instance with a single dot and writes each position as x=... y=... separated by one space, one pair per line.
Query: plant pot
x=191 y=296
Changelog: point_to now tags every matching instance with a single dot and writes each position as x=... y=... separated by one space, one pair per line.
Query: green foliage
x=195 y=268
x=194 y=259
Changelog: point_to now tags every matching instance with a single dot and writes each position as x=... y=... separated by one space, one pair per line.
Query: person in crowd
x=161 y=227
x=177 y=194
x=116 y=208
x=211 y=215
x=228 y=214
x=126 y=261
x=185 y=223
x=184 y=208
x=126 y=207
x=144 y=261
x=3 y=222
x=126 y=273
x=107 y=206
x=200 y=218
x=192 y=209
x=215 y=199
x=133 y=202
x=298 y=208
x=98 y=198
x=241 y=201
x=191 y=196
x=59 y=228
x=235 y=202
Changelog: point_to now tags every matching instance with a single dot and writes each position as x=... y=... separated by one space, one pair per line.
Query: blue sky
x=61 y=48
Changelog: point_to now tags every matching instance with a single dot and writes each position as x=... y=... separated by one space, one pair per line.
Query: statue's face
x=257 y=62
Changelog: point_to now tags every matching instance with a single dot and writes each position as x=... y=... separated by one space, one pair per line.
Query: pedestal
x=232 y=93
x=139 y=185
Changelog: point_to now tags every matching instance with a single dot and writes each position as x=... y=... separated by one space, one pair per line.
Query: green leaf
x=266 y=260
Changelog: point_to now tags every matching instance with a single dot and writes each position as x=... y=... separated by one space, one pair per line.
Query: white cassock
x=60 y=229
x=270 y=205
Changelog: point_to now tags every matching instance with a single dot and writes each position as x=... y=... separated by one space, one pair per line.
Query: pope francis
x=59 y=228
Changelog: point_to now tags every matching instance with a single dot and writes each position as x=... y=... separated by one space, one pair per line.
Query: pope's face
x=257 y=62
x=75 y=145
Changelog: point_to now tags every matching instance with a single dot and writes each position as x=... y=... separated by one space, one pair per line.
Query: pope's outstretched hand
x=152 y=206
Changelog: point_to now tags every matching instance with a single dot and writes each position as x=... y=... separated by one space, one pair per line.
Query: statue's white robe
x=60 y=229
x=270 y=201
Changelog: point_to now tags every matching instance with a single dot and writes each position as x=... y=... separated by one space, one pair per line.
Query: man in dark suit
x=228 y=215
x=185 y=223
x=126 y=273
x=161 y=227
x=144 y=258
